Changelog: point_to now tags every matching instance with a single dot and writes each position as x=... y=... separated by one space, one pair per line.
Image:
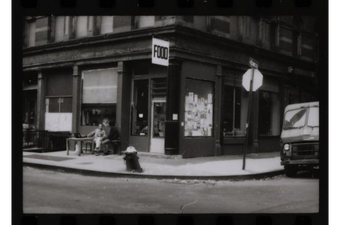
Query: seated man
x=113 y=135
x=98 y=135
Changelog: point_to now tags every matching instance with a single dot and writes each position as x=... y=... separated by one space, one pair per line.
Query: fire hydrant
x=131 y=160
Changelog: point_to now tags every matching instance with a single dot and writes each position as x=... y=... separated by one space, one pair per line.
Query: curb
x=257 y=176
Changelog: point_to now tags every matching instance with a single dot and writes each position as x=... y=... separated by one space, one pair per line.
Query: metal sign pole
x=248 y=118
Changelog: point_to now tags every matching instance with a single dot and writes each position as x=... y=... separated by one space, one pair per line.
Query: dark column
x=119 y=112
x=172 y=108
x=41 y=101
x=217 y=109
x=123 y=103
x=76 y=99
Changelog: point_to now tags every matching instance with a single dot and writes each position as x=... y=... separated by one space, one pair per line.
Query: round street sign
x=257 y=82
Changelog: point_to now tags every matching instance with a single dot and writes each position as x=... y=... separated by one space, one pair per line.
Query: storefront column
x=217 y=109
x=41 y=101
x=123 y=103
x=76 y=99
x=119 y=112
x=172 y=108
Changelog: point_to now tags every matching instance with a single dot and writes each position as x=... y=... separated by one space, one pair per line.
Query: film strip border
x=215 y=6
x=171 y=219
x=186 y=4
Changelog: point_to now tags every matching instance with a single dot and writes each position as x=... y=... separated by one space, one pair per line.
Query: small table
x=79 y=140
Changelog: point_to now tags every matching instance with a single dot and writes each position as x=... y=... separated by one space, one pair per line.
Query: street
x=55 y=192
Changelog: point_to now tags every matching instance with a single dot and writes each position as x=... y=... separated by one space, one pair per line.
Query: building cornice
x=171 y=31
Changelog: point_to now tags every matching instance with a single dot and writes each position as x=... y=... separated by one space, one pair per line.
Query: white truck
x=300 y=138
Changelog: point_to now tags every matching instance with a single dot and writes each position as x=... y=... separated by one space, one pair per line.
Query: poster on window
x=198 y=108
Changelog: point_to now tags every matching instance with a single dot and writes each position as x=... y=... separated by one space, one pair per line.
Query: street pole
x=248 y=118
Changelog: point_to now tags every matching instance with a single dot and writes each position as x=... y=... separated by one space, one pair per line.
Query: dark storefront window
x=269 y=113
x=140 y=108
x=99 y=97
x=198 y=108
x=232 y=111
x=59 y=105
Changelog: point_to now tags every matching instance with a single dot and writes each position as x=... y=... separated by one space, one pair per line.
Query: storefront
x=148 y=107
x=98 y=98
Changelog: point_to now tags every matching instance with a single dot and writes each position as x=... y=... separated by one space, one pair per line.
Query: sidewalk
x=161 y=166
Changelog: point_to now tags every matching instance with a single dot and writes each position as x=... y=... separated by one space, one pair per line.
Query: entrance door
x=157 y=125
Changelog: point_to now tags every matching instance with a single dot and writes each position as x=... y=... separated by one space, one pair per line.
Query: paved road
x=55 y=192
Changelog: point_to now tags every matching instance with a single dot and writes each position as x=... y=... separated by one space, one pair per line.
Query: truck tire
x=290 y=171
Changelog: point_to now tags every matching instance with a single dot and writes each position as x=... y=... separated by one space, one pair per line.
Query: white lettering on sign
x=160 y=52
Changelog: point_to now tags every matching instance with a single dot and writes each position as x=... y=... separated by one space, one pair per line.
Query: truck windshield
x=313 y=117
x=294 y=119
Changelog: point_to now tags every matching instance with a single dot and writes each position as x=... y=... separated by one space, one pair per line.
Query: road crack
x=183 y=206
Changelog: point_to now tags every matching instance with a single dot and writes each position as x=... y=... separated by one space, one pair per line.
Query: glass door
x=158 y=111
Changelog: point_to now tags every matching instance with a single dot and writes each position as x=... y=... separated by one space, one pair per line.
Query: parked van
x=300 y=138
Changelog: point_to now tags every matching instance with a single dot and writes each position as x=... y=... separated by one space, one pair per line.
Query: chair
x=113 y=146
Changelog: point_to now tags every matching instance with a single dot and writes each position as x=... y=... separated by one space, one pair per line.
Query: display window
x=269 y=113
x=198 y=108
x=235 y=105
x=140 y=108
x=99 y=97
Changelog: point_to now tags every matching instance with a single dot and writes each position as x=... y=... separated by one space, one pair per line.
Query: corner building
x=79 y=71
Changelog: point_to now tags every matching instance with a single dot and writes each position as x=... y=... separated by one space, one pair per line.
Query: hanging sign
x=160 y=52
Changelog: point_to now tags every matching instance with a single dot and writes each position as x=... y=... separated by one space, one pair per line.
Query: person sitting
x=98 y=135
x=113 y=136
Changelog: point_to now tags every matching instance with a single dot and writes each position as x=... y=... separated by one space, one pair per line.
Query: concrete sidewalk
x=161 y=166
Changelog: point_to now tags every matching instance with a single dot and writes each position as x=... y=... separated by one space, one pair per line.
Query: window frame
x=99 y=105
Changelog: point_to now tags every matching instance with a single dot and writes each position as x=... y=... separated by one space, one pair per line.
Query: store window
x=99 y=97
x=235 y=106
x=198 y=108
x=58 y=101
x=140 y=108
x=59 y=104
x=269 y=113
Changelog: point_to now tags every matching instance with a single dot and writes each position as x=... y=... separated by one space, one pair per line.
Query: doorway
x=158 y=113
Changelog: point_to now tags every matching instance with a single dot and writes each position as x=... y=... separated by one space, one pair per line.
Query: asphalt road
x=55 y=192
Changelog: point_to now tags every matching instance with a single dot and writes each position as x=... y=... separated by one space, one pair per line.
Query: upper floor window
x=84 y=26
x=31 y=33
x=248 y=26
x=106 y=25
x=66 y=25
x=145 y=21
x=62 y=28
